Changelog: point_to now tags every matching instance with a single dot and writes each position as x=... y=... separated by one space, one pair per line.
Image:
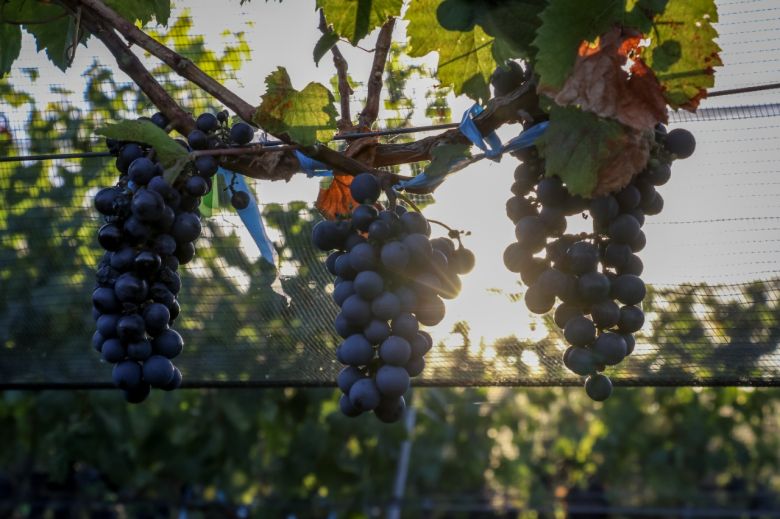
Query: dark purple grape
x=241 y=133
x=365 y=188
x=239 y=200
x=207 y=122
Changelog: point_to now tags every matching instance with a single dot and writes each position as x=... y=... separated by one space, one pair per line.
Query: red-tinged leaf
x=336 y=200
x=600 y=83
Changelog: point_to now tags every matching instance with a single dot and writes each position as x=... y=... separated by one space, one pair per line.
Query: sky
x=721 y=221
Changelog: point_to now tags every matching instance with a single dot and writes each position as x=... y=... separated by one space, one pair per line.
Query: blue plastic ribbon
x=251 y=217
x=489 y=143
x=525 y=139
x=313 y=168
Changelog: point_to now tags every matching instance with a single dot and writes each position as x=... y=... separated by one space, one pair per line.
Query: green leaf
x=324 y=44
x=565 y=24
x=513 y=25
x=51 y=25
x=171 y=154
x=576 y=146
x=354 y=19
x=142 y=10
x=11 y=36
x=173 y=171
x=465 y=58
x=683 y=52
x=444 y=156
x=307 y=116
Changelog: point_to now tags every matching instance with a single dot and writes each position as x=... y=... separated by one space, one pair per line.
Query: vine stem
x=246 y=150
x=408 y=200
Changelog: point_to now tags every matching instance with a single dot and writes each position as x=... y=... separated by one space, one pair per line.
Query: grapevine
x=593 y=86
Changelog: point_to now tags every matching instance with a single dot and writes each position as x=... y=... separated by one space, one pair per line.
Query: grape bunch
x=596 y=276
x=150 y=229
x=391 y=278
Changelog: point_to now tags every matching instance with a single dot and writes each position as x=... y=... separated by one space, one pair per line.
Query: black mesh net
x=713 y=311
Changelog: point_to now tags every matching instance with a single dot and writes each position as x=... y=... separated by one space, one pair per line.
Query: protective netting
x=713 y=313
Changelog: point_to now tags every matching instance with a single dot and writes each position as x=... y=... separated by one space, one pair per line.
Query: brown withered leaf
x=336 y=200
x=630 y=155
x=600 y=83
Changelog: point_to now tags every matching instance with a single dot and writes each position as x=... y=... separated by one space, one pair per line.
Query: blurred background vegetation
x=499 y=452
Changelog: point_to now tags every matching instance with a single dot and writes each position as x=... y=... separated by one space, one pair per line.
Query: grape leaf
x=171 y=154
x=334 y=198
x=565 y=24
x=51 y=25
x=142 y=10
x=600 y=84
x=683 y=52
x=324 y=44
x=465 y=57
x=444 y=156
x=354 y=19
x=513 y=25
x=307 y=116
x=11 y=36
x=591 y=154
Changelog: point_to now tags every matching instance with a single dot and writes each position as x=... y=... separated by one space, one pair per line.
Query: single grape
x=392 y=381
x=631 y=319
x=207 y=122
x=160 y=120
x=241 y=133
x=598 y=387
x=680 y=142
x=158 y=370
x=628 y=289
x=198 y=140
x=364 y=394
x=395 y=351
x=579 y=331
x=206 y=165
x=356 y=350
x=365 y=188
x=609 y=348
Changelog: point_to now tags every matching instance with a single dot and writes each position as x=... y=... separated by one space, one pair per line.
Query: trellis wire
x=701 y=115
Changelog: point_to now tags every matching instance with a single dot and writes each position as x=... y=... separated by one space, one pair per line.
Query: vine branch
x=130 y=64
x=345 y=91
x=384 y=40
x=103 y=21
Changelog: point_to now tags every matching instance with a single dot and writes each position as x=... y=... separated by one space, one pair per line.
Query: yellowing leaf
x=592 y=155
x=683 y=52
x=465 y=57
x=354 y=19
x=307 y=116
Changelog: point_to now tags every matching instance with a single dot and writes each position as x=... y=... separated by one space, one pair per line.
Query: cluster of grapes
x=391 y=278
x=595 y=276
x=150 y=230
